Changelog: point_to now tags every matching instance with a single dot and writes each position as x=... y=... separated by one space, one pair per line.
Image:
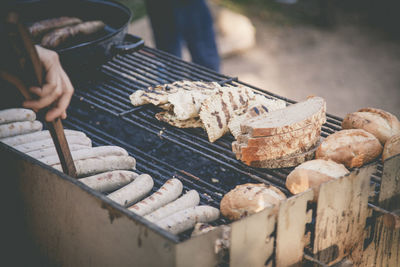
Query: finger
x=45 y=91
x=64 y=115
x=44 y=101
x=60 y=108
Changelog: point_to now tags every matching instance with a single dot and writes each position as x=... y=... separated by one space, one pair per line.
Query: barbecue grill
x=70 y=224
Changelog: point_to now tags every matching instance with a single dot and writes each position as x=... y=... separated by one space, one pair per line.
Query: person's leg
x=198 y=32
x=164 y=26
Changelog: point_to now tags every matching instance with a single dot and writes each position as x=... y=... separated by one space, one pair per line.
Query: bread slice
x=218 y=109
x=287 y=161
x=312 y=174
x=289 y=119
x=278 y=139
x=170 y=118
x=380 y=123
x=257 y=106
x=353 y=148
x=276 y=149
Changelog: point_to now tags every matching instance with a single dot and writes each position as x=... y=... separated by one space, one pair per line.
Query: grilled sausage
x=59 y=36
x=92 y=152
x=45 y=152
x=188 y=200
x=133 y=191
x=86 y=167
x=41 y=27
x=20 y=127
x=167 y=193
x=186 y=219
x=16 y=114
x=109 y=181
x=28 y=147
x=35 y=136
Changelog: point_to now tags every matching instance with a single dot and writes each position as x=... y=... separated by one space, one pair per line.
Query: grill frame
x=87 y=91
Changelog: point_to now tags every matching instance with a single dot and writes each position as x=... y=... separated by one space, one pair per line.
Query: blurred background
x=347 y=51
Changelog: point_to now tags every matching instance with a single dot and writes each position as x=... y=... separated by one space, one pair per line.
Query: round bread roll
x=311 y=174
x=248 y=199
x=380 y=123
x=391 y=148
x=353 y=148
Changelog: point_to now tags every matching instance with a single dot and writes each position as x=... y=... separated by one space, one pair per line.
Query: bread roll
x=312 y=174
x=353 y=148
x=380 y=123
x=248 y=199
x=391 y=148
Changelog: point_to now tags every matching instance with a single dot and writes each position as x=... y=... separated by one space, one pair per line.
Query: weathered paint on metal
x=251 y=240
x=384 y=250
x=341 y=215
x=69 y=226
x=290 y=237
x=199 y=250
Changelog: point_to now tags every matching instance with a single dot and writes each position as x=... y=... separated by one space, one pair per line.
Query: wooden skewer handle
x=57 y=133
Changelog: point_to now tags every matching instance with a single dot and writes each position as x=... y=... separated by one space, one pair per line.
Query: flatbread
x=172 y=120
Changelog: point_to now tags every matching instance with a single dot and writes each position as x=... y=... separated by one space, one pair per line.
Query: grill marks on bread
x=216 y=111
x=204 y=104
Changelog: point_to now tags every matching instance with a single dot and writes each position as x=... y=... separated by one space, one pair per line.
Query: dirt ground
x=351 y=66
x=347 y=66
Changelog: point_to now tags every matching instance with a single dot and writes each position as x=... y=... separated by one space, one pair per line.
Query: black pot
x=88 y=55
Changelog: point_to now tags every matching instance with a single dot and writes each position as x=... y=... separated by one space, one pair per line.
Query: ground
x=352 y=65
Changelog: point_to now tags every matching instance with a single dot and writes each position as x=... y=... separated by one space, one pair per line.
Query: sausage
x=167 y=193
x=40 y=27
x=28 y=147
x=86 y=167
x=59 y=36
x=87 y=153
x=41 y=153
x=186 y=219
x=188 y=200
x=20 y=127
x=35 y=136
x=16 y=114
x=109 y=181
x=133 y=191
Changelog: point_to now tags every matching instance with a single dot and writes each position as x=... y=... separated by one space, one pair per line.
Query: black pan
x=91 y=53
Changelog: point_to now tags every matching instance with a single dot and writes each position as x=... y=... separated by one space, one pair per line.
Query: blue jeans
x=177 y=21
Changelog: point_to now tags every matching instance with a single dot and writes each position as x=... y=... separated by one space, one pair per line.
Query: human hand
x=57 y=89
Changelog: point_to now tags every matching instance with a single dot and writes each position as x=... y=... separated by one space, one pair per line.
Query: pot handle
x=130 y=44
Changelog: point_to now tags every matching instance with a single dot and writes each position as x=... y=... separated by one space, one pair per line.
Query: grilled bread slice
x=158 y=95
x=259 y=105
x=274 y=147
x=279 y=139
x=289 y=119
x=217 y=110
x=287 y=161
x=171 y=119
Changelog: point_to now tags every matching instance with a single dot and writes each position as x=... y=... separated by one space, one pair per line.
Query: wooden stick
x=33 y=70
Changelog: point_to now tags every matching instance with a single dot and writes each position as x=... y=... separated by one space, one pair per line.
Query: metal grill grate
x=102 y=109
